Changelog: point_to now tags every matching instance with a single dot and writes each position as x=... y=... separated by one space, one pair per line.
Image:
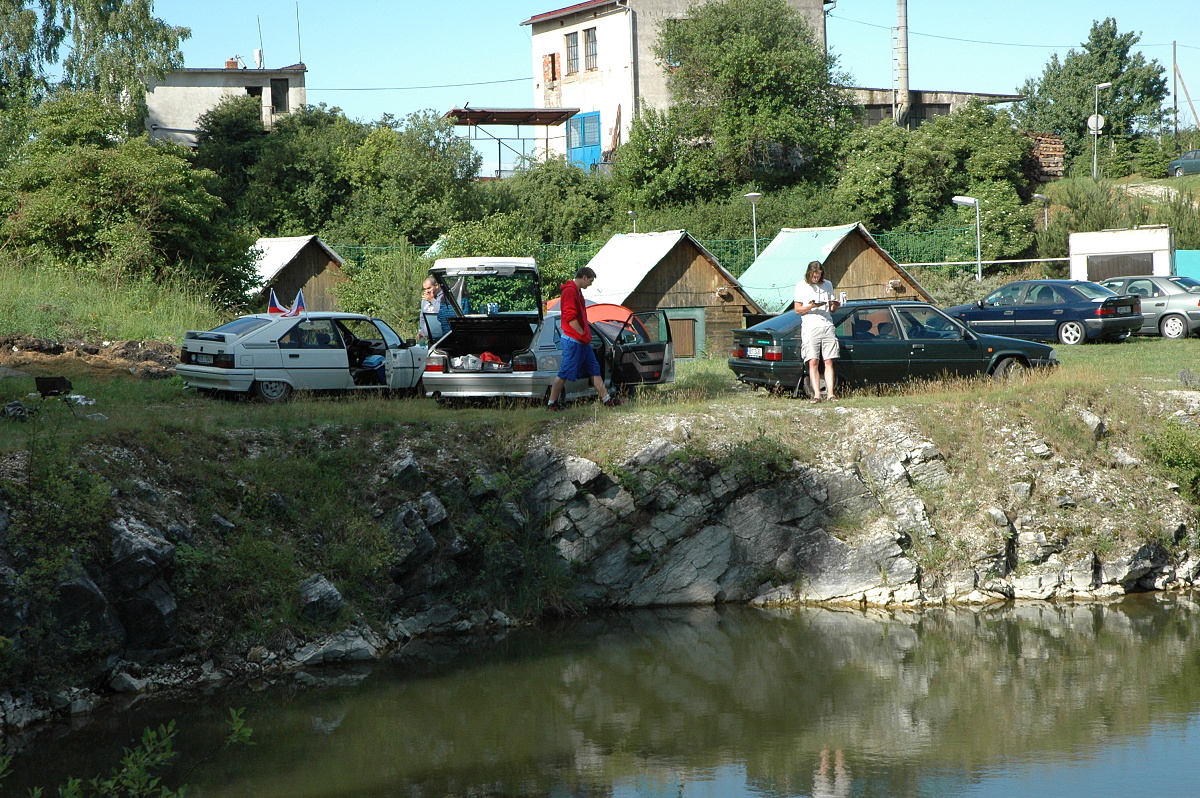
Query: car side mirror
x=981 y=304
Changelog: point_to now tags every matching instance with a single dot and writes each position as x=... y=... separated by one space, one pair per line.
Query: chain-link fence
x=928 y=246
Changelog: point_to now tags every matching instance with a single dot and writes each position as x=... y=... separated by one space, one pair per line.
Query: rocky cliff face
x=879 y=517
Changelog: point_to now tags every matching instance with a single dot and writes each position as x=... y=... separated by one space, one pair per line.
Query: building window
x=279 y=95
x=572 y=53
x=589 y=48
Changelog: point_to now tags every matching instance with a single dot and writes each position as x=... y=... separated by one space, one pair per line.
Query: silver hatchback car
x=1170 y=305
x=492 y=337
x=270 y=356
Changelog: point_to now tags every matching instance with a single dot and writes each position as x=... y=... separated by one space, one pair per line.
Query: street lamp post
x=1045 y=209
x=633 y=218
x=1095 y=123
x=978 y=252
x=754 y=197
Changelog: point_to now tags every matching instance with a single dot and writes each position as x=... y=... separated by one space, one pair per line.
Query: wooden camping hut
x=299 y=262
x=673 y=272
x=853 y=262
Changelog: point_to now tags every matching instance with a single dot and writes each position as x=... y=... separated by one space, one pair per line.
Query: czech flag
x=297 y=306
x=274 y=307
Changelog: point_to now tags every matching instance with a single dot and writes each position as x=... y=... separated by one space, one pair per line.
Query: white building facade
x=599 y=57
x=175 y=104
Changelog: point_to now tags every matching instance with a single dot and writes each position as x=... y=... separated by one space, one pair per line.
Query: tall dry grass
x=59 y=304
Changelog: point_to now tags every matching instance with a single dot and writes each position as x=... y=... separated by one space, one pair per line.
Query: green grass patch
x=57 y=304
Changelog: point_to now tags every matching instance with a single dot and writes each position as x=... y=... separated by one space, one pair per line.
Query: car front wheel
x=1179 y=171
x=1071 y=333
x=1009 y=368
x=272 y=391
x=1173 y=327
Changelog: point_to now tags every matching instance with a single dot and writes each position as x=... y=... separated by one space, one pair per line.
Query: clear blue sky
x=371 y=57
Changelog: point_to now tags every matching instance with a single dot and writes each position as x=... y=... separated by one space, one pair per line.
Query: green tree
x=661 y=165
x=559 y=202
x=895 y=178
x=229 y=140
x=411 y=181
x=299 y=178
x=114 y=47
x=81 y=194
x=749 y=75
x=1062 y=99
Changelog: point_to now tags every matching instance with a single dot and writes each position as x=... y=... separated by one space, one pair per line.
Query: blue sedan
x=1068 y=311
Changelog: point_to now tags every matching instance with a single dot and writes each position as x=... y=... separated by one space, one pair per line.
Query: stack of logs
x=1048 y=152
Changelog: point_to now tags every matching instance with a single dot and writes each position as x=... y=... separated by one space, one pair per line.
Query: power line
x=995 y=44
x=912 y=32
x=420 y=88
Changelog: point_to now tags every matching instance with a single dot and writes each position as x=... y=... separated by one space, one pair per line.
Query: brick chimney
x=231 y=63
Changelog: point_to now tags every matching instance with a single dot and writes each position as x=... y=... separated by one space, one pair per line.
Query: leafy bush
x=1177 y=449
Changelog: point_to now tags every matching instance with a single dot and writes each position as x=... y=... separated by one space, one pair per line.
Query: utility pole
x=1175 y=86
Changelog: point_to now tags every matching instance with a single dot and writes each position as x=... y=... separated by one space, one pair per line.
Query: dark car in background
x=882 y=342
x=1186 y=164
x=1170 y=305
x=1068 y=311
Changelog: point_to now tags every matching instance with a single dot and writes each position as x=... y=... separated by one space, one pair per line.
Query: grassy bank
x=63 y=305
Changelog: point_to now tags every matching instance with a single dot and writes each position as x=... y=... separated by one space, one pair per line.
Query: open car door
x=641 y=349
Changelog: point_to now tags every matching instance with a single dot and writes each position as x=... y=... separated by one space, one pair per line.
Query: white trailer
x=1116 y=253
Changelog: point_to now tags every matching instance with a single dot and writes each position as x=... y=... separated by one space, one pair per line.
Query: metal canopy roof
x=510 y=116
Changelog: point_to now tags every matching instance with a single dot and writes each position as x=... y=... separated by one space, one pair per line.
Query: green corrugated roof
x=771 y=279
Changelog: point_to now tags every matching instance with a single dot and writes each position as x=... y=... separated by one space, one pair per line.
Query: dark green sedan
x=881 y=343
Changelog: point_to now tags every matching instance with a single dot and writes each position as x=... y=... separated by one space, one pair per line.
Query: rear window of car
x=1186 y=283
x=784 y=322
x=241 y=326
x=1093 y=290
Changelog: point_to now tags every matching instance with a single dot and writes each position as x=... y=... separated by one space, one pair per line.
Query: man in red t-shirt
x=578 y=359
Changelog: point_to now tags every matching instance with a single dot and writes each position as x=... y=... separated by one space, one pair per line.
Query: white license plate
x=754 y=351
x=1122 y=309
x=203 y=360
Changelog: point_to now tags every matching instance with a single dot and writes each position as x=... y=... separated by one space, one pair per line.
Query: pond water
x=1031 y=699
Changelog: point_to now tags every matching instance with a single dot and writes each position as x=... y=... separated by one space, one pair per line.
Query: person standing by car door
x=431 y=303
x=578 y=359
x=818 y=342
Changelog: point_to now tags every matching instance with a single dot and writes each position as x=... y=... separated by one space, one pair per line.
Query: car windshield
x=1093 y=290
x=784 y=322
x=241 y=326
x=1187 y=284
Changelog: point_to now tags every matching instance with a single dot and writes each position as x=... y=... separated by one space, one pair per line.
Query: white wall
x=1160 y=241
x=603 y=89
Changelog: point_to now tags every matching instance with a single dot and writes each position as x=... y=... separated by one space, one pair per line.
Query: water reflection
x=736 y=701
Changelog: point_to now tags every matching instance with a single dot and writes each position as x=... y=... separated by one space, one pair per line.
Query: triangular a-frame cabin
x=673 y=272
x=295 y=262
x=853 y=262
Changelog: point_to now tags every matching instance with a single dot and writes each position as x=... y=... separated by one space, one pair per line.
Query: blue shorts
x=578 y=361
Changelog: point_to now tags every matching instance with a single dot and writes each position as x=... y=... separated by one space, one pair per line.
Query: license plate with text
x=754 y=351
x=204 y=360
